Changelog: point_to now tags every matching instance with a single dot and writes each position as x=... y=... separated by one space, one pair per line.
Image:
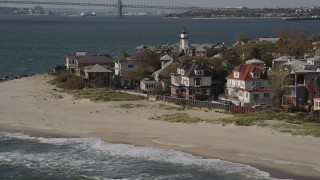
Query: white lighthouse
x=184 y=45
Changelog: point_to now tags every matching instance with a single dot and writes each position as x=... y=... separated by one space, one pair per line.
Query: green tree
x=123 y=54
x=232 y=57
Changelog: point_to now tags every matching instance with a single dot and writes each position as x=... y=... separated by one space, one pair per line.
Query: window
x=199 y=72
x=236 y=74
x=247 y=95
x=266 y=95
x=255 y=96
x=182 y=72
x=258 y=84
x=214 y=89
x=197 y=82
x=256 y=75
x=130 y=66
x=186 y=82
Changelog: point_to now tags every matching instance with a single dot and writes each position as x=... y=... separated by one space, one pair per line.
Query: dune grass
x=178 y=118
x=101 y=94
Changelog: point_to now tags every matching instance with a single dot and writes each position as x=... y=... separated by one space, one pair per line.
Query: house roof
x=166 y=58
x=96 y=60
x=201 y=49
x=272 y=40
x=316 y=58
x=71 y=56
x=191 y=67
x=254 y=61
x=245 y=71
x=296 y=64
x=164 y=67
x=98 y=69
x=218 y=56
x=283 y=59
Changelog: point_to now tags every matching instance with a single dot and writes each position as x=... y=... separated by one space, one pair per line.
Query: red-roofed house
x=247 y=86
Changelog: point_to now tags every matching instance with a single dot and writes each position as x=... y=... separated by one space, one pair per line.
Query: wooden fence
x=246 y=110
x=207 y=104
x=193 y=103
x=317 y=117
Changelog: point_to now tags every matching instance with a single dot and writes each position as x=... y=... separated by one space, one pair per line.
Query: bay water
x=33 y=44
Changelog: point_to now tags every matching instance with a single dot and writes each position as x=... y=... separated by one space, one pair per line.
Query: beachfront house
x=71 y=64
x=148 y=84
x=122 y=67
x=86 y=61
x=93 y=72
x=192 y=81
x=247 y=86
x=299 y=92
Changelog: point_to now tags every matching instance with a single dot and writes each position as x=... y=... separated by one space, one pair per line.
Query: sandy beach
x=32 y=105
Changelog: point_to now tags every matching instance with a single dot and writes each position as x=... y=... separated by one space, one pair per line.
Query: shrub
x=61 y=78
x=74 y=82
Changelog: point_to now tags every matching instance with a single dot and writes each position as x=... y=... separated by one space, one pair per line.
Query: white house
x=121 y=67
x=247 y=85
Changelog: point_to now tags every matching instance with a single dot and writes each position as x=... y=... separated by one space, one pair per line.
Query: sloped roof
x=98 y=69
x=218 y=56
x=190 y=67
x=96 y=60
x=166 y=58
x=283 y=59
x=254 y=61
x=245 y=70
x=71 y=56
x=296 y=64
x=201 y=49
x=164 y=67
x=317 y=58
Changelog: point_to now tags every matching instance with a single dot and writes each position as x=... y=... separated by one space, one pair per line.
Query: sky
x=253 y=3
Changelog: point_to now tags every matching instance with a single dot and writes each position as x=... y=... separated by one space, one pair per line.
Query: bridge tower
x=184 y=45
x=119 y=9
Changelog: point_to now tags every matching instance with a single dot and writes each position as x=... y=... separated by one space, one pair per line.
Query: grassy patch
x=305 y=129
x=104 y=95
x=169 y=107
x=296 y=124
x=177 y=117
x=254 y=118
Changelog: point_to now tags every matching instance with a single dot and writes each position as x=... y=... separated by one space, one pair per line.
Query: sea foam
x=89 y=153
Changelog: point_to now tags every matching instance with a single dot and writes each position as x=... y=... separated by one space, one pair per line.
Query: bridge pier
x=120 y=9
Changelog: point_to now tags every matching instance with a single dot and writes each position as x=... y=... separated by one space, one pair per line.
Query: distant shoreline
x=222 y=18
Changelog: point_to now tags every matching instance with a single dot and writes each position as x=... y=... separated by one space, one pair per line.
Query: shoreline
x=275 y=172
x=41 y=113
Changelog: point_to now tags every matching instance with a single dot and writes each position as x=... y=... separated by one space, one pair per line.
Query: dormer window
x=255 y=75
x=182 y=72
x=236 y=74
x=199 y=72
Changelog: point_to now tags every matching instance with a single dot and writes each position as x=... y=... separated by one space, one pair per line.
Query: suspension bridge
x=119 y=4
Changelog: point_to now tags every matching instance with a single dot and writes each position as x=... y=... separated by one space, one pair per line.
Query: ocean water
x=25 y=157
x=32 y=44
